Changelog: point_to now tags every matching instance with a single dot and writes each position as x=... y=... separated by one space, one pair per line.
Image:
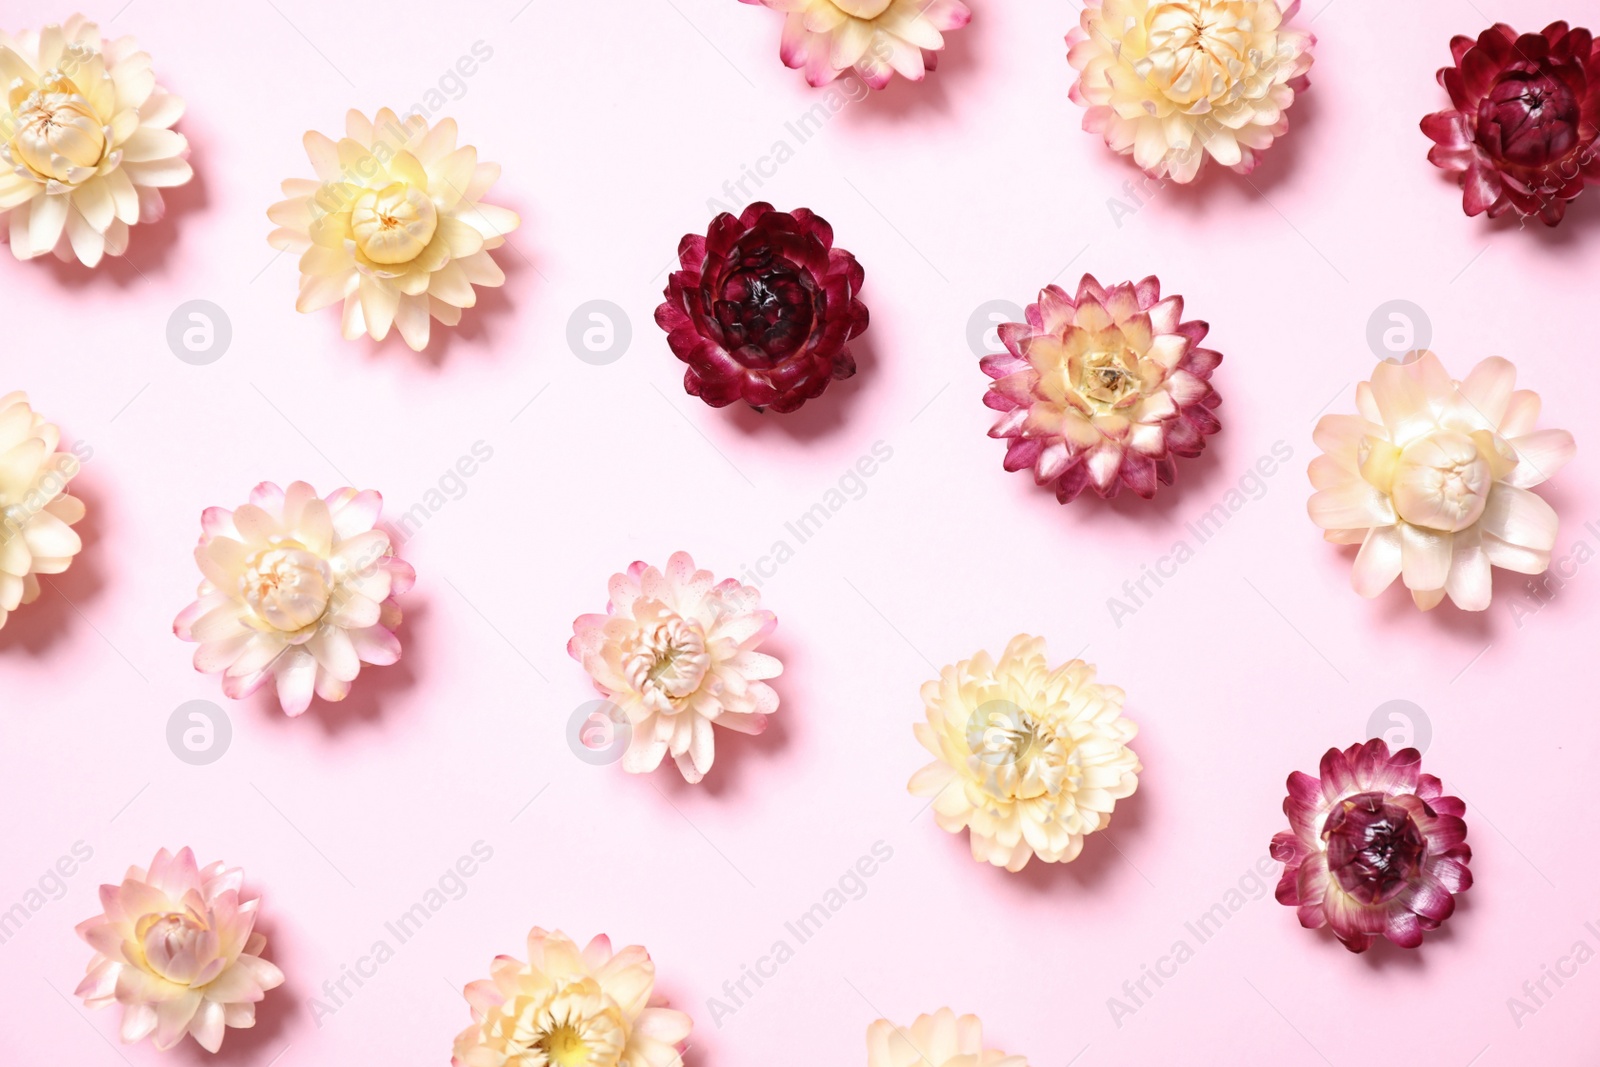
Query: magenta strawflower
x=1523 y=120
x=1374 y=847
x=763 y=309
x=1104 y=389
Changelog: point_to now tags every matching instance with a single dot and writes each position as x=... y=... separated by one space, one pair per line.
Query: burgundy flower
x=1374 y=847
x=1103 y=389
x=763 y=309
x=1524 y=116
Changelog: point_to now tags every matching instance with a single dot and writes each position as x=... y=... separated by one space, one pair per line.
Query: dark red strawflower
x=1374 y=849
x=1523 y=122
x=763 y=309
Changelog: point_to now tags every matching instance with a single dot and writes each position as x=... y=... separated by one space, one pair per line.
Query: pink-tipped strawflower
x=1103 y=390
x=177 y=947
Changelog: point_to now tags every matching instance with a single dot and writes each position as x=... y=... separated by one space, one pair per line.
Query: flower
x=36 y=514
x=177 y=948
x=297 y=589
x=1373 y=847
x=676 y=652
x=86 y=135
x=1432 y=480
x=1103 y=389
x=394 y=226
x=825 y=38
x=1170 y=82
x=566 y=1008
x=1523 y=118
x=938 y=1040
x=1030 y=759
x=763 y=309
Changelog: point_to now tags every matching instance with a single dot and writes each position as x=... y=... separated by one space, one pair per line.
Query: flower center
x=287 y=588
x=1530 y=117
x=58 y=136
x=670 y=659
x=1196 y=49
x=766 y=310
x=171 y=943
x=576 y=1026
x=863 y=9
x=393 y=224
x=1375 y=848
x=1442 y=481
x=1107 y=378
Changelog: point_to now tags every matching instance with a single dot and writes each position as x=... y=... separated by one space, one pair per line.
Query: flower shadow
x=33 y=628
x=902 y=99
x=1102 y=853
x=151 y=245
x=372 y=693
x=261 y=1044
x=821 y=416
x=735 y=751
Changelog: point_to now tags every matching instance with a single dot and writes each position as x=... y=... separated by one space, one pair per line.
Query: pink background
x=616 y=123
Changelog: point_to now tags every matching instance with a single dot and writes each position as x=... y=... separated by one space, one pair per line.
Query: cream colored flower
x=87 y=141
x=1432 y=479
x=676 y=652
x=566 y=1008
x=878 y=38
x=394 y=226
x=937 y=1040
x=1028 y=758
x=299 y=590
x=1173 y=81
x=178 y=949
x=36 y=514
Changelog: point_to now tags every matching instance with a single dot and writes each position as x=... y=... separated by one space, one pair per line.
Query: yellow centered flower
x=393 y=224
x=58 y=136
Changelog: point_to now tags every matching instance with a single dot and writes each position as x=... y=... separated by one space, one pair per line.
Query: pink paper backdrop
x=616 y=124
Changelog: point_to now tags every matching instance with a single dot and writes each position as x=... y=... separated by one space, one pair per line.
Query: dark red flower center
x=1534 y=115
x=766 y=306
x=1375 y=848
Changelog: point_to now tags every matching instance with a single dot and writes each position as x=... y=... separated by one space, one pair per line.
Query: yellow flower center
x=863 y=9
x=1442 y=481
x=576 y=1025
x=288 y=588
x=1107 y=377
x=58 y=136
x=565 y=1047
x=1197 y=49
x=393 y=224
